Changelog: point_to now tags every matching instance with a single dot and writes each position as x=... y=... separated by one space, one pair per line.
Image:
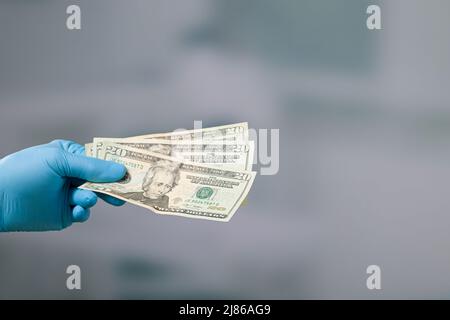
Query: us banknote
x=232 y=133
x=237 y=132
x=232 y=156
x=169 y=186
x=89 y=151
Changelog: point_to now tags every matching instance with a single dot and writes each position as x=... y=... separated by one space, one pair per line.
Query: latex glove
x=38 y=186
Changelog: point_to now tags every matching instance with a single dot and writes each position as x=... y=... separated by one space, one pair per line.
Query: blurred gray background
x=364 y=123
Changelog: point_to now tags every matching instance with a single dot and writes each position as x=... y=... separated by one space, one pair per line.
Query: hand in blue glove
x=38 y=186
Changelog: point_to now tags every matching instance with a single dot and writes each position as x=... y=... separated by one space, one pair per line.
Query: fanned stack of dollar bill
x=203 y=173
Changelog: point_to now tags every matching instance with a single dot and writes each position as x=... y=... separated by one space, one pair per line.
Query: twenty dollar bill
x=169 y=186
x=237 y=132
x=230 y=156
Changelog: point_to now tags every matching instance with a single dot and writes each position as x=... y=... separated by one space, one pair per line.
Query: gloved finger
x=111 y=200
x=69 y=146
x=80 y=214
x=91 y=169
x=83 y=198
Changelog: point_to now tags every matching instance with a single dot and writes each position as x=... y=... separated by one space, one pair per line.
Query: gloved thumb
x=92 y=169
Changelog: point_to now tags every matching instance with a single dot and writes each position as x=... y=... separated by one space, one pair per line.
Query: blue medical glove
x=38 y=186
